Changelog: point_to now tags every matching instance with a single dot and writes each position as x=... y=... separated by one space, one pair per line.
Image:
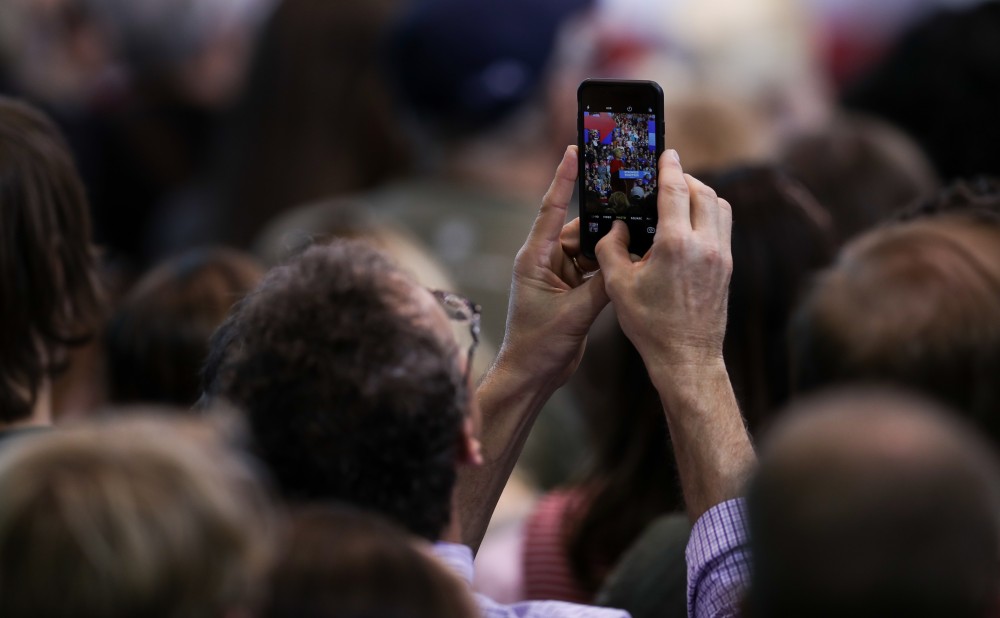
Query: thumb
x=612 y=250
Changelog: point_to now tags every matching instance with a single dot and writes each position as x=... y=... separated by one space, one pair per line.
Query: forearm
x=713 y=449
x=509 y=401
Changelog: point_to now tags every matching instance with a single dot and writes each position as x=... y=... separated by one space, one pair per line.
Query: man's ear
x=470 y=449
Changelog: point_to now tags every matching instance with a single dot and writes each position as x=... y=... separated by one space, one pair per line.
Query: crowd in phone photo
x=626 y=148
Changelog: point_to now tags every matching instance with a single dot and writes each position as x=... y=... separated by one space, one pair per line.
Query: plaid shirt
x=718 y=561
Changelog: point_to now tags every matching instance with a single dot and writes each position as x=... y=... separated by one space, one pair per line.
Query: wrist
x=681 y=383
x=520 y=369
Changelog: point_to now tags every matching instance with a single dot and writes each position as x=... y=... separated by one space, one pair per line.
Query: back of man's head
x=875 y=504
x=349 y=393
x=140 y=517
x=916 y=304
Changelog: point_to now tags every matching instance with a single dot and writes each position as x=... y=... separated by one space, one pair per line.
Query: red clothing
x=547 y=572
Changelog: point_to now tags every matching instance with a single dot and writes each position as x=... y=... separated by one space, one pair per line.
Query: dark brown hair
x=347 y=395
x=630 y=479
x=345 y=563
x=158 y=338
x=48 y=279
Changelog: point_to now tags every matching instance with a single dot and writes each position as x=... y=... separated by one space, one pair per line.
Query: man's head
x=139 y=517
x=157 y=338
x=49 y=295
x=874 y=504
x=915 y=304
x=353 y=384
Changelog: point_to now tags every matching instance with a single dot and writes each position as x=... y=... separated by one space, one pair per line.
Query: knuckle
x=676 y=188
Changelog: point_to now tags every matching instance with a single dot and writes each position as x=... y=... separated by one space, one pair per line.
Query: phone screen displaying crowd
x=621 y=135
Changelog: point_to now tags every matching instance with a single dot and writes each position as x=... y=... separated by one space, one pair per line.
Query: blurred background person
x=862 y=169
x=914 y=304
x=337 y=562
x=140 y=89
x=130 y=518
x=184 y=62
x=52 y=299
x=316 y=118
x=157 y=339
x=874 y=504
x=939 y=84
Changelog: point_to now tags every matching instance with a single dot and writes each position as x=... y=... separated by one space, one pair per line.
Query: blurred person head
x=197 y=49
x=52 y=52
x=950 y=113
x=873 y=504
x=353 y=383
x=340 y=563
x=316 y=118
x=916 y=304
x=618 y=202
x=137 y=517
x=484 y=86
x=48 y=273
x=711 y=133
x=861 y=169
x=157 y=339
x=781 y=239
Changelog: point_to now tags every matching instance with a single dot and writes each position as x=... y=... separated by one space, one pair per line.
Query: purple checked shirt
x=718 y=561
x=459 y=559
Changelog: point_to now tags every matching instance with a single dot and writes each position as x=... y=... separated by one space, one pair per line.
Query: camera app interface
x=619 y=165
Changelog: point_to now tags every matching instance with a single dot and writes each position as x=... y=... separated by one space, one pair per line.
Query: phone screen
x=621 y=134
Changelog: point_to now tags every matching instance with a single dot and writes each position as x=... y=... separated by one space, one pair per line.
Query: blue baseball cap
x=464 y=65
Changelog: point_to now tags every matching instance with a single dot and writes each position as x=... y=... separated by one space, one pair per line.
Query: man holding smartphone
x=355 y=386
x=672 y=304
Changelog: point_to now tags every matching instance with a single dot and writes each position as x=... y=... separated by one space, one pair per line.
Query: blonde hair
x=137 y=517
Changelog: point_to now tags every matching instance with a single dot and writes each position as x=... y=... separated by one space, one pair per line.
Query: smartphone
x=620 y=131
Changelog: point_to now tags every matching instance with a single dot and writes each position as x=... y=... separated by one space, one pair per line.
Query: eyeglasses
x=462 y=310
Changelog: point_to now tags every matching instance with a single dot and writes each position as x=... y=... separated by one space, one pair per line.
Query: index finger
x=552 y=214
x=673 y=200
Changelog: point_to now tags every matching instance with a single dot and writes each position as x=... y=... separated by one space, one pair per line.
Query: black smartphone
x=620 y=128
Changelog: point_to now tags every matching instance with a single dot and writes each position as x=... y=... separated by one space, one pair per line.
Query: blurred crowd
x=225 y=389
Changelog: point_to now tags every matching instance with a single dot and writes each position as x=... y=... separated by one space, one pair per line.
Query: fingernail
x=673 y=153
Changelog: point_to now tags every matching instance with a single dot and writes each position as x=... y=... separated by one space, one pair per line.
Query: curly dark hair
x=348 y=395
x=51 y=296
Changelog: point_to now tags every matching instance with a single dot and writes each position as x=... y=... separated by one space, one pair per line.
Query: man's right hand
x=672 y=303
